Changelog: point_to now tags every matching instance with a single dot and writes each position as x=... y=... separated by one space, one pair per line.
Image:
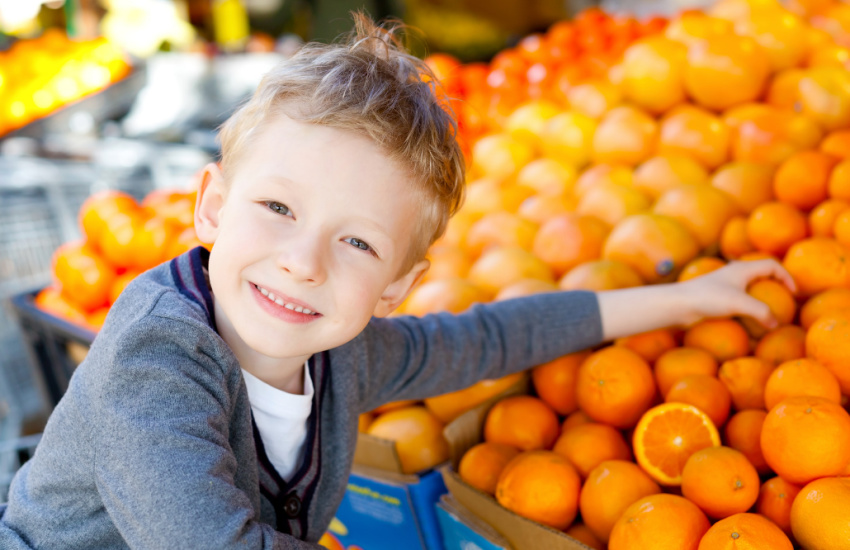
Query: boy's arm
x=165 y=467
x=721 y=293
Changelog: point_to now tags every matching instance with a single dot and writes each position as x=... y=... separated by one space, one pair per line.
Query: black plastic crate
x=54 y=344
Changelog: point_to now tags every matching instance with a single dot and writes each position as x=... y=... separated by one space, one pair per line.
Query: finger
x=757 y=269
x=759 y=311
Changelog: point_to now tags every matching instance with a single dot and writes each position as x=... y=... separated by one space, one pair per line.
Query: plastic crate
x=54 y=344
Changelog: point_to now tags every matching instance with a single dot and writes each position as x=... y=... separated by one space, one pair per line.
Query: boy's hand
x=721 y=293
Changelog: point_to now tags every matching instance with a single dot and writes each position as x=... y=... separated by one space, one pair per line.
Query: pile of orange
x=122 y=238
x=40 y=75
x=723 y=135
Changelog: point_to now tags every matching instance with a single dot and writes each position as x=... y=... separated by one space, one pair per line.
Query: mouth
x=285 y=303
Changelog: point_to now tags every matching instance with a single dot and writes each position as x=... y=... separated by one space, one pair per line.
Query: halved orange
x=667 y=435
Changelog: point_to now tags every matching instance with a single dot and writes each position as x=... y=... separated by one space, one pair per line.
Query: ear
x=398 y=290
x=209 y=203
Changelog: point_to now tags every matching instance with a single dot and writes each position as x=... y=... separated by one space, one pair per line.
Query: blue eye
x=279 y=208
x=362 y=245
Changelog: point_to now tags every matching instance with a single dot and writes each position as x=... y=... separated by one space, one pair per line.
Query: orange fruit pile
x=723 y=135
x=121 y=238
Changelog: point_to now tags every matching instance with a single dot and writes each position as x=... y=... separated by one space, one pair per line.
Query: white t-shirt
x=281 y=419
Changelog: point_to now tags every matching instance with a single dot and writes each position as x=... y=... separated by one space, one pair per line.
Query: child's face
x=316 y=216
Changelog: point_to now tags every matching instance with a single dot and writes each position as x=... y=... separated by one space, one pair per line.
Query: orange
x=694 y=132
x=502 y=266
x=568 y=240
x=742 y=433
x=659 y=522
x=526 y=122
x=774 y=226
x=704 y=392
x=664 y=172
x=51 y=300
x=778 y=298
x=449 y=406
x=500 y=156
x=625 y=135
x=522 y=421
x=600 y=275
x=734 y=242
x=116 y=242
x=487 y=195
x=541 y=208
x=784 y=89
x=482 y=465
x=185 y=241
x=525 y=287
x=745 y=378
x=653 y=73
x=97 y=208
x=802 y=179
x=841 y=229
x=834 y=300
x=801 y=377
x=615 y=386
x=568 y=137
x=541 y=486
x=769 y=135
x=583 y=534
x=723 y=338
x=656 y=246
x=667 y=435
x=822 y=217
x=499 y=229
x=749 y=184
x=649 y=345
x=594 y=98
x=148 y=246
x=555 y=381
x=721 y=481
x=393 y=405
x=782 y=344
x=576 y=418
x=804 y=438
x=451 y=294
x=177 y=207
x=700 y=266
x=781 y=34
x=839 y=180
x=588 y=445
x=817 y=264
x=84 y=278
x=611 y=202
x=775 y=499
x=599 y=174
x=826 y=343
x=726 y=72
x=418 y=437
x=694 y=26
x=364 y=421
x=837 y=144
x=609 y=489
x=457 y=228
x=701 y=209
x=819 y=516
x=678 y=363
x=120 y=283
x=825 y=96
x=447 y=261
x=547 y=176
x=740 y=531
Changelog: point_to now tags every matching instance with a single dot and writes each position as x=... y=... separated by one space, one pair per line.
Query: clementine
x=522 y=421
x=826 y=342
x=742 y=530
x=774 y=226
x=83 y=276
x=746 y=378
x=819 y=517
x=801 y=377
x=555 y=381
x=700 y=266
x=588 y=445
x=822 y=217
x=482 y=465
x=677 y=363
x=615 y=386
x=782 y=344
x=704 y=392
x=818 y=264
x=775 y=499
x=734 y=241
x=659 y=522
x=743 y=432
x=834 y=300
x=802 y=179
x=649 y=345
x=721 y=481
x=725 y=339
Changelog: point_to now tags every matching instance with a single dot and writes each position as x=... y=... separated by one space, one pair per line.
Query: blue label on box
x=382 y=515
x=457 y=535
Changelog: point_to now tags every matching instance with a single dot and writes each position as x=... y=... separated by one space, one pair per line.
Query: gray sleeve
x=412 y=358
x=164 y=467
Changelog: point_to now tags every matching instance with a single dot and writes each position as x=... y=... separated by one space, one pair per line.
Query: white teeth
x=280 y=302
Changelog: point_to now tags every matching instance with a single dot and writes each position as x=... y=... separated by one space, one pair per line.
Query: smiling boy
x=218 y=406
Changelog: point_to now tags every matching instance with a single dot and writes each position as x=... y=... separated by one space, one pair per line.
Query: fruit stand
x=613 y=148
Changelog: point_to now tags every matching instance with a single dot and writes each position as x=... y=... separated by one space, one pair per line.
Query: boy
x=218 y=406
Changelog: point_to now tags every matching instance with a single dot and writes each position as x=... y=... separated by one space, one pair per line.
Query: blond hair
x=367 y=83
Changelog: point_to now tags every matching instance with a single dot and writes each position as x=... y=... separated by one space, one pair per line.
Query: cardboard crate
x=522 y=533
x=463 y=530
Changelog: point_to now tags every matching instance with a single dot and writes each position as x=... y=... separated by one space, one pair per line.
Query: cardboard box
x=463 y=530
x=523 y=534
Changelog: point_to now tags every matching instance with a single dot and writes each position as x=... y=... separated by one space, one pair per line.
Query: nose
x=302 y=256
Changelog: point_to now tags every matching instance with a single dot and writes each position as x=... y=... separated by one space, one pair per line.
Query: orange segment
x=667 y=435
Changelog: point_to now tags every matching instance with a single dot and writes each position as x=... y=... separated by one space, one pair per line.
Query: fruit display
x=40 y=75
x=122 y=238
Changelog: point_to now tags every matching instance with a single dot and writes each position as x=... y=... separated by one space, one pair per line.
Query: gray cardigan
x=153 y=445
